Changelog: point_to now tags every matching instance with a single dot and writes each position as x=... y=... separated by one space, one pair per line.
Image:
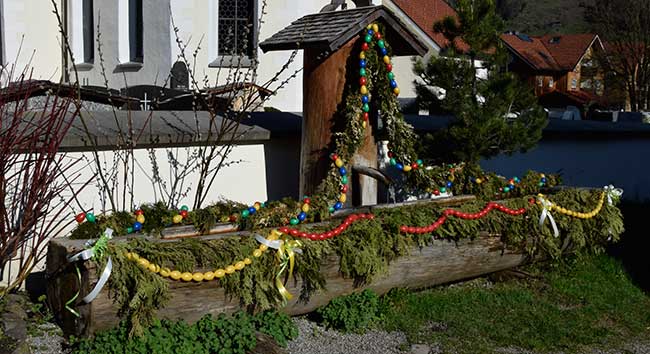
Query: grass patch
x=585 y=302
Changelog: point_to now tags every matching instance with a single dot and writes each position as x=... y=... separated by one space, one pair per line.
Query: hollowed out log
x=442 y=262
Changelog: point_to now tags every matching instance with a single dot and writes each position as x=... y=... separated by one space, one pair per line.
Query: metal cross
x=145 y=102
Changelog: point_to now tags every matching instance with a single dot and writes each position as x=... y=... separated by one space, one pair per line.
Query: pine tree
x=493 y=112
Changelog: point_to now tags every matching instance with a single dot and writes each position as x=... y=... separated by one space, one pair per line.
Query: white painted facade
x=30 y=39
x=197 y=21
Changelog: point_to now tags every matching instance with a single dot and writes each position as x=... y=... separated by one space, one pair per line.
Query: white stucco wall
x=30 y=23
x=157 y=63
x=245 y=182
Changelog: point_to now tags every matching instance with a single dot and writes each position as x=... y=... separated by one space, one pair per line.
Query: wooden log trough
x=442 y=262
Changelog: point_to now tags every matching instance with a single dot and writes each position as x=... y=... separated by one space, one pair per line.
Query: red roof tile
x=550 y=52
x=531 y=50
x=568 y=49
x=425 y=13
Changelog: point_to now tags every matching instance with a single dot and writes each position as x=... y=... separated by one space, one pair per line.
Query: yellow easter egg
x=197 y=277
x=219 y=273
x=129 y=255
x=230 y=269
x=338 y=163
x=153 y=268
x=257 y=206
x=364 y=124
x=343 y=198
x=263 y=248
x=407 y=168
x=239 y=265
x=396 y=90
x=257 y=253
x=175 y=275
x=305 y=208
x=143 y=263
x=369 y=26
x=479 y=181
x=177 y=219
x=363 y=90
x=386 y=59
x=362 y=55
x=375 y=27
x=207 y=276
x=164 y=272
x=140 y=218
x=247 y=261
x=187 y=276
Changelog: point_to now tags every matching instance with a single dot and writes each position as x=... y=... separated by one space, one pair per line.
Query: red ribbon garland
x=406 y=229
x=459 y=214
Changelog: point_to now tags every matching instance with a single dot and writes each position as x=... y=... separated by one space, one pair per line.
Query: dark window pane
x=227 y=9
x=136 y=36
x=88 y=31
x=227 y=37
x=236 y=27
x=244 y=9
x=244 y=42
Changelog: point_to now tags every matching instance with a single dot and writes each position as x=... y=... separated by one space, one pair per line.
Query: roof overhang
x=330 y=31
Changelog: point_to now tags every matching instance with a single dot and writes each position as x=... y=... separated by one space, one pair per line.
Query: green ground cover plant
x=224 y=335
x=584 y=302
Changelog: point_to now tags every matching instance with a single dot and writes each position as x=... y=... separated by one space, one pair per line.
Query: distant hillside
x=541 y=17
x=538 y=17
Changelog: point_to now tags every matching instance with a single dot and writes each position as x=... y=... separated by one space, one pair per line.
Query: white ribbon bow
x=612 y=193
x=276 y=244
x=106 y=273
x=546 y=212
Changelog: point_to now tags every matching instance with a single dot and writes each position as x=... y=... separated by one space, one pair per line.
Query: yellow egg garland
x=200 y=276
x=561 y=210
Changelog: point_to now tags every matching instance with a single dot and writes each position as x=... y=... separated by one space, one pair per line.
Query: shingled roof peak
x=331 y=30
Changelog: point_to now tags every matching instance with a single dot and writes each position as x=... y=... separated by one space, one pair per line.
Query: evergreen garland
x=365 y=250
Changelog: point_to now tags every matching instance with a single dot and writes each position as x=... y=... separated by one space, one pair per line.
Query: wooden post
x=323 y=85
x=324 y=82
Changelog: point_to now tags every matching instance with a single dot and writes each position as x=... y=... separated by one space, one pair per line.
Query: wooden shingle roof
x=331 y=30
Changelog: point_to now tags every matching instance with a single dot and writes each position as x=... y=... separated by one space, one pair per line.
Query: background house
x=562 y=69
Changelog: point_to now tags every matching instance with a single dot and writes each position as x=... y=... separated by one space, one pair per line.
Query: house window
x=233 y=30
x=551 y=83
x=540 y=81
x=574 y=83
x=82 y=31
x=131 y=32
x=236 y=32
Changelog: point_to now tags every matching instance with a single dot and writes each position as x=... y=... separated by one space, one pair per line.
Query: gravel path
x=314 y=339
x=46 y=339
